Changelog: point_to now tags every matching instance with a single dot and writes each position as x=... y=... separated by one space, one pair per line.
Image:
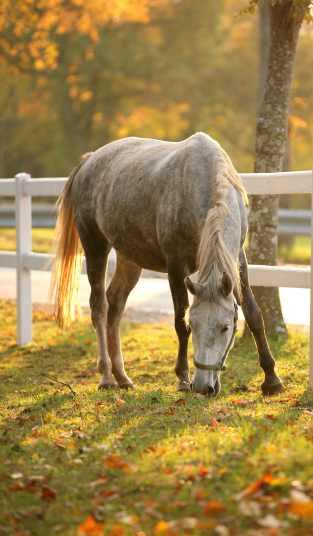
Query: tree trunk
x=271 y=139
x=264 y=46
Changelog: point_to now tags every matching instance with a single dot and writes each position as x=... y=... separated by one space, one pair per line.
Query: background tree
x=182 y=68
x=286 y=17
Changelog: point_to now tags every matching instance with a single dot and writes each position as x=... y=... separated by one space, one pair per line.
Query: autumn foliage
x=78 y=74
x=31 y=31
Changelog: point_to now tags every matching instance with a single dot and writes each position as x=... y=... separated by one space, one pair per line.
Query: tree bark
x=271 y=139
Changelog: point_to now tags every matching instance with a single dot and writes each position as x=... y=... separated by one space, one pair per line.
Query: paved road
x=151 y=296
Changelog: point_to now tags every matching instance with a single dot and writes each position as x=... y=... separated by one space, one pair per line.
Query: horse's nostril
x=210 y=390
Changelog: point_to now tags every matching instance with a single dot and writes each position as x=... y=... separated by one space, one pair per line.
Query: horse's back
x=148 y=196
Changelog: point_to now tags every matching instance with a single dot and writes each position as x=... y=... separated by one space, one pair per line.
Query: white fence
x=290 y=222
x=23 y=187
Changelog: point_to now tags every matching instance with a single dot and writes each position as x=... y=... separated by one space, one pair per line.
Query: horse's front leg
x=179 y=292
x=252 y=313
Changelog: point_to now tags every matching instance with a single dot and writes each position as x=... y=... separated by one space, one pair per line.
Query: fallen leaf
x=241 y=402
x=213 y=507
x=188 y=472
x=203 y=471
x=180 y=402
x=188 y=523
x=48 y=494
x=299 y=496
x=59 y=443
x=249 y=508
x=99 y=482
x=90 y=527
x=164 y=527
x=221 y=530
x=297 y=484
x=17 y=486
x=16 y=476
x=36 y=431
x=301 y=509
x=79 y=434
x=105 y=493
x=120 y=402
x=199 y=494
x=266 y=480
x=214 y=423
x=114 y=461
x=270 y=522
x=127 y=519
x=271 y=417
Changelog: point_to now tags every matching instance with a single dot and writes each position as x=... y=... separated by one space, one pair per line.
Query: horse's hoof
x=183 y=386
x=128 y=385
x=107 y=385
x=269 y=389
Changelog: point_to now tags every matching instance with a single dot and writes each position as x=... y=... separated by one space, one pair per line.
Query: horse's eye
x=224 y=329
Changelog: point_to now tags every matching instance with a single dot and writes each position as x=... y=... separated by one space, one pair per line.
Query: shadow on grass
x=134 y=424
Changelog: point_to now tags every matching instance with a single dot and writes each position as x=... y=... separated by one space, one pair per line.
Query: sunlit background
x=87 y=72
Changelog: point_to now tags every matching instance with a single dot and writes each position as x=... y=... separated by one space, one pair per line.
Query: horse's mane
x=213 y=255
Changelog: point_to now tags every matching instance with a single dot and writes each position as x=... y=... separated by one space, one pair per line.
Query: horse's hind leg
x=254 y=318
x=96 y=250
x=125 y=278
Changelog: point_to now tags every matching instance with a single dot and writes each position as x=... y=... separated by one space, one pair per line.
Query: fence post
x=23 y=211
x=311 y=296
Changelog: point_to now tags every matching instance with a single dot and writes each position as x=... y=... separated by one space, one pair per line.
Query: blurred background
x=87 y=72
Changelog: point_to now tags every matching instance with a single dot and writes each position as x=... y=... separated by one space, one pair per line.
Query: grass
x=43 y=240
x=296 y=253
x=78 y=461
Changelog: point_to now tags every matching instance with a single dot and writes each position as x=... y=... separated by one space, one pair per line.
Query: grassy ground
x=42 y=240
x=297 y=253
x=76 y=461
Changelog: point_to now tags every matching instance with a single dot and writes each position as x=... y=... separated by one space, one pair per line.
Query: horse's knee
x=253 y=314
x=256 y=318
x=181 y=327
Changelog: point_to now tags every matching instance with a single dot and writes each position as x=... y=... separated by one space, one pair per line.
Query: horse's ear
x=227 y=285
x=195 y=288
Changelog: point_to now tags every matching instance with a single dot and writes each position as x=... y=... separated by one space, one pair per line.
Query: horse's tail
x=68 y=260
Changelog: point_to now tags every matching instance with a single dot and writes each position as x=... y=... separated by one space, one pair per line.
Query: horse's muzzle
x=208 y=387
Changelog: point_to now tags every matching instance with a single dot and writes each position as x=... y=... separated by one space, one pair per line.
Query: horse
x=172 y=207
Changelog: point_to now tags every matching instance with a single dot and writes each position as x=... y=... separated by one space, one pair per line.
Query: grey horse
x=173 y=207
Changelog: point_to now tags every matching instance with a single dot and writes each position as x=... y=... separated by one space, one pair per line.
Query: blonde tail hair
x=68 y=261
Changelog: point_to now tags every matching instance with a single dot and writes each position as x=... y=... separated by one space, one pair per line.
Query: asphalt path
x=151 y=298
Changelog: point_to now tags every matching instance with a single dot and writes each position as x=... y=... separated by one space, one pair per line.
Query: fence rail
x=23 y=187
x=290 y=222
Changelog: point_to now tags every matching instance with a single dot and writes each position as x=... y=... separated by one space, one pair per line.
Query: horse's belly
x=137 y=245
x=144 y=259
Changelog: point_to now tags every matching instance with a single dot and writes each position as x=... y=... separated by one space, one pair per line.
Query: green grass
x=148 y=461
x=43 y=240
x=297 y=253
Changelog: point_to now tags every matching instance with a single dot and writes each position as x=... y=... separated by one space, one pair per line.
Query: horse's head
x=213 y=325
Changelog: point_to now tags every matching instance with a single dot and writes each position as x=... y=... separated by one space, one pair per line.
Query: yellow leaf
x=213 y=507
x=90 y=527
x=297 y=122
x=162 y=527
x=301 y=509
